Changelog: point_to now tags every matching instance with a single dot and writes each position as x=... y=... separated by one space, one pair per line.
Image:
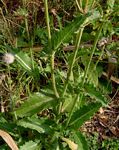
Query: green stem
x=93 y=50
x=80 y=96
x=94 y=68
x=73 y=59
x=72 y=63
x=72 y=109
x=53 y=53
x=47 y=20
x=53 y=76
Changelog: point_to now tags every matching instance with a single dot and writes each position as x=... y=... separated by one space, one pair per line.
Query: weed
x=49 y=103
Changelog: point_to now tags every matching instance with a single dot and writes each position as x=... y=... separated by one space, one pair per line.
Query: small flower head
x=8 y=58
x=103 y=42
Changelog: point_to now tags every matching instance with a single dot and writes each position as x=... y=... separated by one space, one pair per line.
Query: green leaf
x=110 y=4
x=30 y=145
x=24 y=60
x=27 y=64
x=9 y=127
x=93 y=73
x=91 y=91
x=80 y=140
x=94 y=14
x=35 y=124
x=83 y=114
x=34 y=104
x=65 y=34
x=68 y=102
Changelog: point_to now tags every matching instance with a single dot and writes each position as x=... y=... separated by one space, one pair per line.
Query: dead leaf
x=71 y=144
x=9 y=140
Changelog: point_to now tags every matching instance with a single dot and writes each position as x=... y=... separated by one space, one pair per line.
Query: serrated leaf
x=65 y=34
x=34 y=104
x=30 y=145
x=35 y=124
x=91 y=91
x=80 y=140
x=83 y=114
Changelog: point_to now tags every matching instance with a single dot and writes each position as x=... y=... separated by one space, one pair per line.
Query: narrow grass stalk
x=53 y=53
x=73 y=59
x=93 y=50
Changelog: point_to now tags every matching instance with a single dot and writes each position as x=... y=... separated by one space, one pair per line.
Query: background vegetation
x=59 y=66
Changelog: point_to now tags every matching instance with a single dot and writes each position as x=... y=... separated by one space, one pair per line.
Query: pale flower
x=8 y=58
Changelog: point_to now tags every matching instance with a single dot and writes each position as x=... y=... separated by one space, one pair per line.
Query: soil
x=106 y=121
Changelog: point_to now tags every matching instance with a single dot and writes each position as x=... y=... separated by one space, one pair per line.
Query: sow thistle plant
x=51 y=118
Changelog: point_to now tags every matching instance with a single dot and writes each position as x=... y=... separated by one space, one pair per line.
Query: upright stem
x=80 y=96
x=71 y=66
x=53 y=53
x=53 y=76
x=94 y=68
x=93 y=50
x=72 y=109
x=47 y=20
x=73 y=59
